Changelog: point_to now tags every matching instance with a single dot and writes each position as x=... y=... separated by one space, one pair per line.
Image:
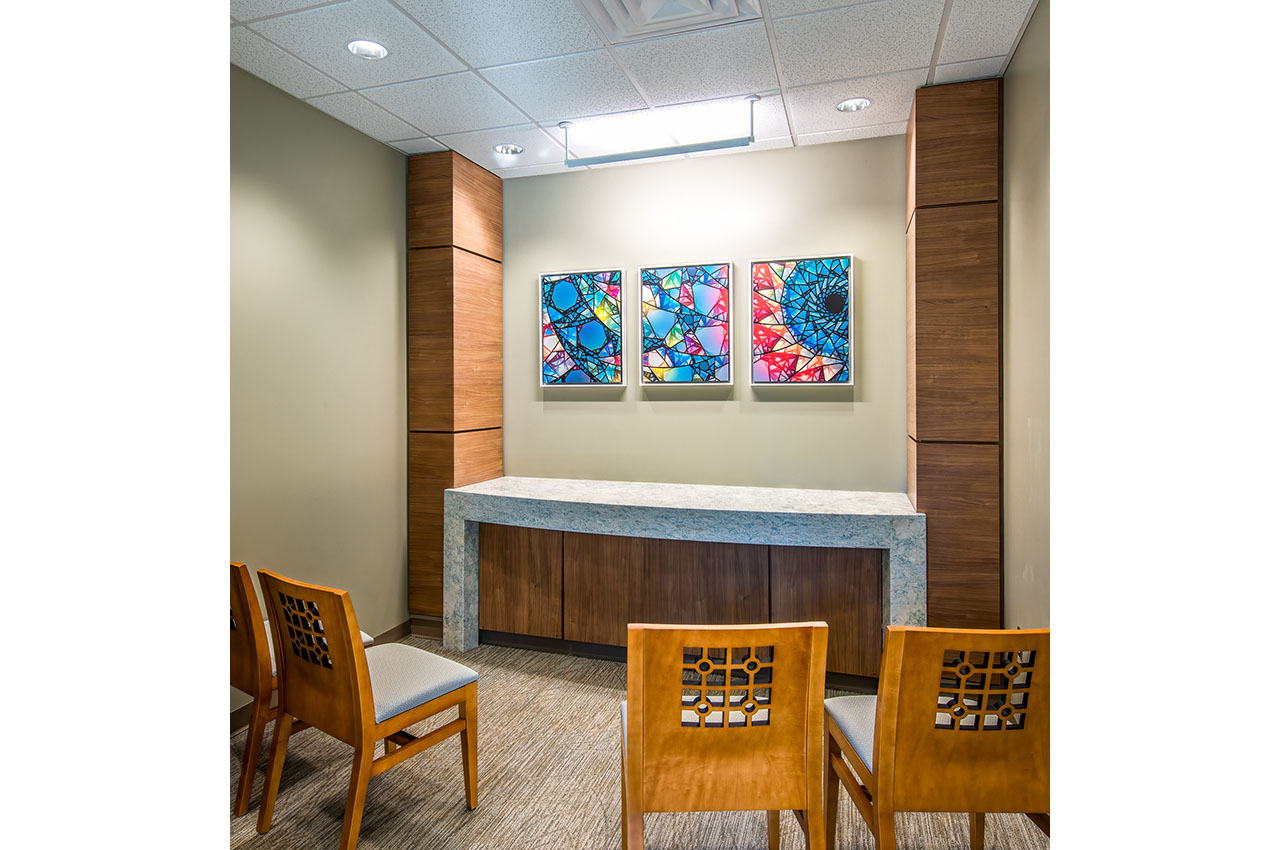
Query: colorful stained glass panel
x=802 y=321
x=684 y=325
x=582 y=328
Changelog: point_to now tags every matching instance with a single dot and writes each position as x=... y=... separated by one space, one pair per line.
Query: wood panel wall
x=587 y=587
x=454 y=327
x=953 y=346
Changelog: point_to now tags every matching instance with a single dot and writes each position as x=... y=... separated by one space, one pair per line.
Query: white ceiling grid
x=467 y=74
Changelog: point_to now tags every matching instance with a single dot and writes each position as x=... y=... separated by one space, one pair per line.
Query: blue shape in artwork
x=705 y=298
x=661 y=321
x=712 y=339
x=563 y=295
x=591 y=335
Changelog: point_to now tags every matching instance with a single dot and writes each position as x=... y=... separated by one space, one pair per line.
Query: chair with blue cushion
x=960 y=724
x=253 y=670
x=357 y=695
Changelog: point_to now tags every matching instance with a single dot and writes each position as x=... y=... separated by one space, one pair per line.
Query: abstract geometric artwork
x=802 y=321
x=684 y=325
x=582 y=328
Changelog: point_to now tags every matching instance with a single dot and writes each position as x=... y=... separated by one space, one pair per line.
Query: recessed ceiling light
x=508 y=149
x=853 y=104
x=367 y=49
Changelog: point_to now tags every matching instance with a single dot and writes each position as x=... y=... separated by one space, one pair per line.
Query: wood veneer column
x=953 y=346
x=454 y=325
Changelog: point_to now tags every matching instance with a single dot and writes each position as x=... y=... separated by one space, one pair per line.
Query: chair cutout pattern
x=960 y=724
x=359 y=696
x=714 y=678
x=724 y=718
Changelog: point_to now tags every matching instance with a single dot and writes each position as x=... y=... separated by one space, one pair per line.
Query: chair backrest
x=726 y=718
x=321 y=671
x=962 y=722
x=250 y=655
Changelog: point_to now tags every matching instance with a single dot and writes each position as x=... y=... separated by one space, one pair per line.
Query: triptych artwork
x=801 y=324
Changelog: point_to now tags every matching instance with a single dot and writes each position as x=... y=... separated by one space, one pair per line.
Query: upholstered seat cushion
x=404 y=677
x=855 y=717
x=367 y=640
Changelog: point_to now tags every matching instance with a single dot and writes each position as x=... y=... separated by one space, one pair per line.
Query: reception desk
x=755 y=519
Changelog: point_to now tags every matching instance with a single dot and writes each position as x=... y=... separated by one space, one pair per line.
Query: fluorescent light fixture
x=367 y=49
x=663 y=131
x=509 y=149
x=853 y=104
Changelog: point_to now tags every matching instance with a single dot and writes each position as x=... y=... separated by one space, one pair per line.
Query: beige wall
x=317 y=352
x=845 y=198
x=1026 y=328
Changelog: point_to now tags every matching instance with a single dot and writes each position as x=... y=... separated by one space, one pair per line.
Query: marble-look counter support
x=762 y=515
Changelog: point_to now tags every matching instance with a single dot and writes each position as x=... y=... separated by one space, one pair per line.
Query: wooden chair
x=961 y=724
x=358 y=695
x=724 y=718
x=253 y=670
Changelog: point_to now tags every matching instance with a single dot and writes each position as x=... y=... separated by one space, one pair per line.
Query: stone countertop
x=697 y=497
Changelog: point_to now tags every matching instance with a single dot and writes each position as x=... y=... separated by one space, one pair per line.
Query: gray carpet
x=549 y=778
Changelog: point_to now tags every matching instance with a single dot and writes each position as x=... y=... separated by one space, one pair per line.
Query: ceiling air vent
x=622 y=21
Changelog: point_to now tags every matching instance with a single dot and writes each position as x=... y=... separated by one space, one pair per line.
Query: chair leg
x=815 y=822
x=632 y=811
x=885 y=838
x=252 y=749
x=1040 y=819
x=832 y=798
x=279 y=743
x=361 y=771
x=389 y=746
x=977 y=830
x=470 y=747
x=774 y=823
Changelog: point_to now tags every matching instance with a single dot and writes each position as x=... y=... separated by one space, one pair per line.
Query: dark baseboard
x=427 y=627
x=240 y=716
x=602 y=651
x=606 y=652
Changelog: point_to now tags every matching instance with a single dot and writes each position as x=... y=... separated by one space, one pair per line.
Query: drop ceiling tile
x=415 y=146
x=813 y=108
x=897 y=128
x=486 y=33
x=454 y=104
x=787 y=8
x=283 y=70
x=351 y=108
x=858 y=41
x=320 y=37
x=976 y=70
x=978 y=28
x=247 y=10
x=539 y=148
x=718 y=62
x=567 y=86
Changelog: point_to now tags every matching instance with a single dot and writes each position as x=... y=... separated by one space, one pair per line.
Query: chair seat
x=366 y=639
x=855 y=717
x=405 y=677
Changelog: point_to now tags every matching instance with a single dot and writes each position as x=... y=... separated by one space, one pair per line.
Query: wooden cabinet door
x=598 y=569
x=520 y=580
x=839 y=586
x=686 y=581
